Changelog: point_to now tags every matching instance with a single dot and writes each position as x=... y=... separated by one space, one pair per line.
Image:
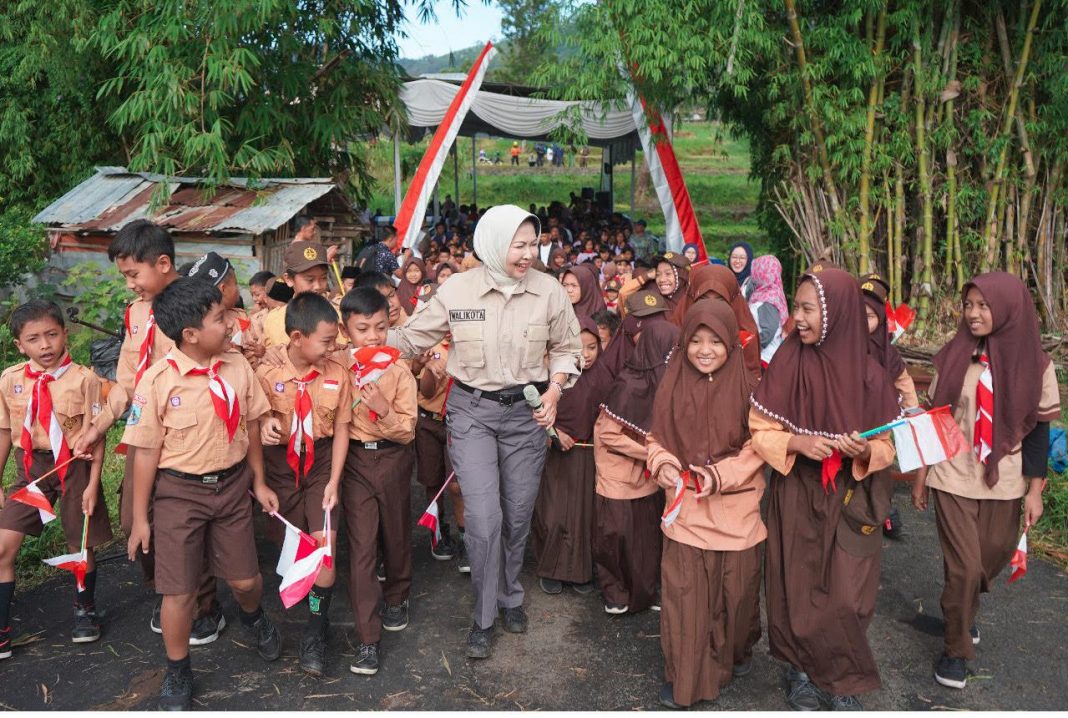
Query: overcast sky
x=476 y=24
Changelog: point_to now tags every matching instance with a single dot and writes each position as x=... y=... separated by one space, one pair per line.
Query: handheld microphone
x=530 y=393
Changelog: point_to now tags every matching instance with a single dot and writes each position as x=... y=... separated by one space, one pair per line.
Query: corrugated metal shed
x=114 y=196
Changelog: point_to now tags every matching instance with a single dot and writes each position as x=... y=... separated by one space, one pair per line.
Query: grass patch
x=29 y=571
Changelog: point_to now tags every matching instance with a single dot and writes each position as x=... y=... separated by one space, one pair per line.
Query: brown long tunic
x=563 y=516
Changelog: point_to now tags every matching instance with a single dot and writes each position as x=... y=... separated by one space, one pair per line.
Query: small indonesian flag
x=1019 y=559
x=829 y=469
x=744 y=337
x=296 y=547
x=429 y=519
x=76 y=563
x=243 y=323
x=298 y=580
x=369 y=364
x=927 y=439
x=898 y=320
x=675 y=507
x=32 y=496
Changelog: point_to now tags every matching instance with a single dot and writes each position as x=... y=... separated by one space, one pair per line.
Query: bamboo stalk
x=864 y=241
x=899 y=230
x=923 y=158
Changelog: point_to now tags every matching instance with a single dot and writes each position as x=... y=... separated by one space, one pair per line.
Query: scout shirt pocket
x=735 y=510
x=468 y=342
x=537 y=336
x=326 y=403
x=180 y=425
x=70 y=413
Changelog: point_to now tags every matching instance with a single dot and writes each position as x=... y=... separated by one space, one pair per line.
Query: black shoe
x=5 y=643
x=395 y=618
x=845 y=703
x=446 y=549
x=892 y=526
x=804 y=695
x=86 y=626
x=974 y=633
x=313 y=653
x=380 y=572
x=206 y=629
x=952 y=672
x=740 y=670
x=515 y=620
x=366 y=663
x=667 y=697
x=154 y=622
x=550 y=586
x=268 y=640
x=463 y=565
x=585 y=588
x=478 y=642
x=615 y=608
x=176 y=693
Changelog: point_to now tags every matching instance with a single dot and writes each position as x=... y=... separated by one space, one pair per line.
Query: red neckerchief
x=301 y=433
x=223 y=396
x=40 y=409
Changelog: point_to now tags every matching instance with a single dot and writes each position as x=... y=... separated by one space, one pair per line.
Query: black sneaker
x=804 y=695
x=952 y=672
x=585 y=588
x=478 y=642
x=515 y=620
x=845 y=703
x=550 y=586
x=892 y=526
x=313 y=653
x=380 y=572
x=86 y=626
x=366 y=663
x=154 y=622
x=740 y=670
x=395 y=618
x=446 y=549
x=667 y=697
x=176 y=693
x=206 y=629
x=463 y=565
x=615 y=608
x=268 y=640
x=5 y=643
x=974 y=633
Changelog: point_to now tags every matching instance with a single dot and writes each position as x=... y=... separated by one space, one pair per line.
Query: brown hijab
x=591 y=301
x=1017 y=362
x=621 y=345
x=578 y=407
x=879 y=346
x=832 y=387
x=630 y=400
x=408 y=293
x=716 y=280
x=702 y=418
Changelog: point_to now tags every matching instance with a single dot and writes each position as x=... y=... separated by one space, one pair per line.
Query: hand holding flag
x=675 y=507
x=368 y=365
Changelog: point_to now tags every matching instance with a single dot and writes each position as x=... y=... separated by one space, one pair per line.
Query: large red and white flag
x=299 y=579
x=681 y=227
x=1019 y=559
x=76 y=563
x=33 y=496
x=296 y=547
x=412 y=210
x=927 y=439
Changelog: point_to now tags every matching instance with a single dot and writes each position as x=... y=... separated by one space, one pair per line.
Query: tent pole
x=456 y=173
x=474 y=173
x=396 y=175
x=633 y=157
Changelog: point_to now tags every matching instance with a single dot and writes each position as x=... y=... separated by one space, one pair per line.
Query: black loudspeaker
x=587 y=193
x=604 y=200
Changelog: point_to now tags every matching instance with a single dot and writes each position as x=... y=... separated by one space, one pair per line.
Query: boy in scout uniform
x=305 y=442
x=385 y=287
x=195 y=424
x=306 y=271
x=46 y=391
x=376 y=485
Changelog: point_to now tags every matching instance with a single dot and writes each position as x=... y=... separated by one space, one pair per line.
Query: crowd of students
x=702 y=396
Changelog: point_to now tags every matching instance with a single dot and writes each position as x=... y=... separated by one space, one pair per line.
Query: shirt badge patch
x=133 y=329
x=138 y=399
x=95 y=410
x=330 y=385
x=280 y=387
x=18 y=388
x=176 y=401
x=467 y=315
x=134 y=416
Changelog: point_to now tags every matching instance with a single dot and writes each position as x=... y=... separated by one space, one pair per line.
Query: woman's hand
x=814 y=447
x=920 y=492
x=667 y=476
x=546 y=415
x=854 y=446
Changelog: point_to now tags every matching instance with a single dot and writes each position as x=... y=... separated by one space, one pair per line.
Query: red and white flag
x=675 y=507
x=429 y=520
x=1019 y=559
x=32 y=496
x=927 y=439
x=300 y=576
x=296 y=547
x=243 y=323
x=898 y=320
x=76 y=563
x=368 y=366
x=680 y=221
x=412 y=210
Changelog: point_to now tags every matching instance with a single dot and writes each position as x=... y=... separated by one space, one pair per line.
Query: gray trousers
x=498 y=453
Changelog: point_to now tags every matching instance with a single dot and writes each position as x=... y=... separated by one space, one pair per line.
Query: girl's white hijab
x=493 y=235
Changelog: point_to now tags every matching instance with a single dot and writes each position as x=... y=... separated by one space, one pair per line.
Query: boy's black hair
x=373 y=280
x=32 y=311
x=259 y=279
x=142 y=241
x=183 y=304
x=306 y=310
x=365 y=301
x=606 y=318
x=300 y=222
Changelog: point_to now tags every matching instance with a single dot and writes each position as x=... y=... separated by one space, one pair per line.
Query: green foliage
x=527 y=46
x=101 y=299
x=22 y=247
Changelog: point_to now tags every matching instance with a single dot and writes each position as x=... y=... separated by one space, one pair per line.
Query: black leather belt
x=377 y=444
x=212 y=478
x=431 y=415
x=504 y=397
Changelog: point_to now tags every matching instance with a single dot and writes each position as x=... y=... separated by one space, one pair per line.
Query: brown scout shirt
x=274 y=326
x=173 y=410
x=770 y=440
x=331 y=395
x=136 y=320
x=498 y=342
x=435 y=403
x=963 y=474
x=398 y=386
x=728 y=520
x=77 y=396
x=619 y=456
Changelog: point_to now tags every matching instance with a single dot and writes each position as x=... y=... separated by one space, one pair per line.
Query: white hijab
x=493 y=235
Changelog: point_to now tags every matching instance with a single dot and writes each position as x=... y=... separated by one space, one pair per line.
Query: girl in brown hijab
x=710 y=570
x=822 y=562
x=408 y=289
x=557 y=262
x=563 y=513
x=583 y=289
x=715 y=281
x=672 y=277
x=1002 y=388
x=626 y=532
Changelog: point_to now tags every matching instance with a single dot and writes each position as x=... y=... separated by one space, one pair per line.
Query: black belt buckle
x=370 y=445
x=210 y=479
x=508 y=399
